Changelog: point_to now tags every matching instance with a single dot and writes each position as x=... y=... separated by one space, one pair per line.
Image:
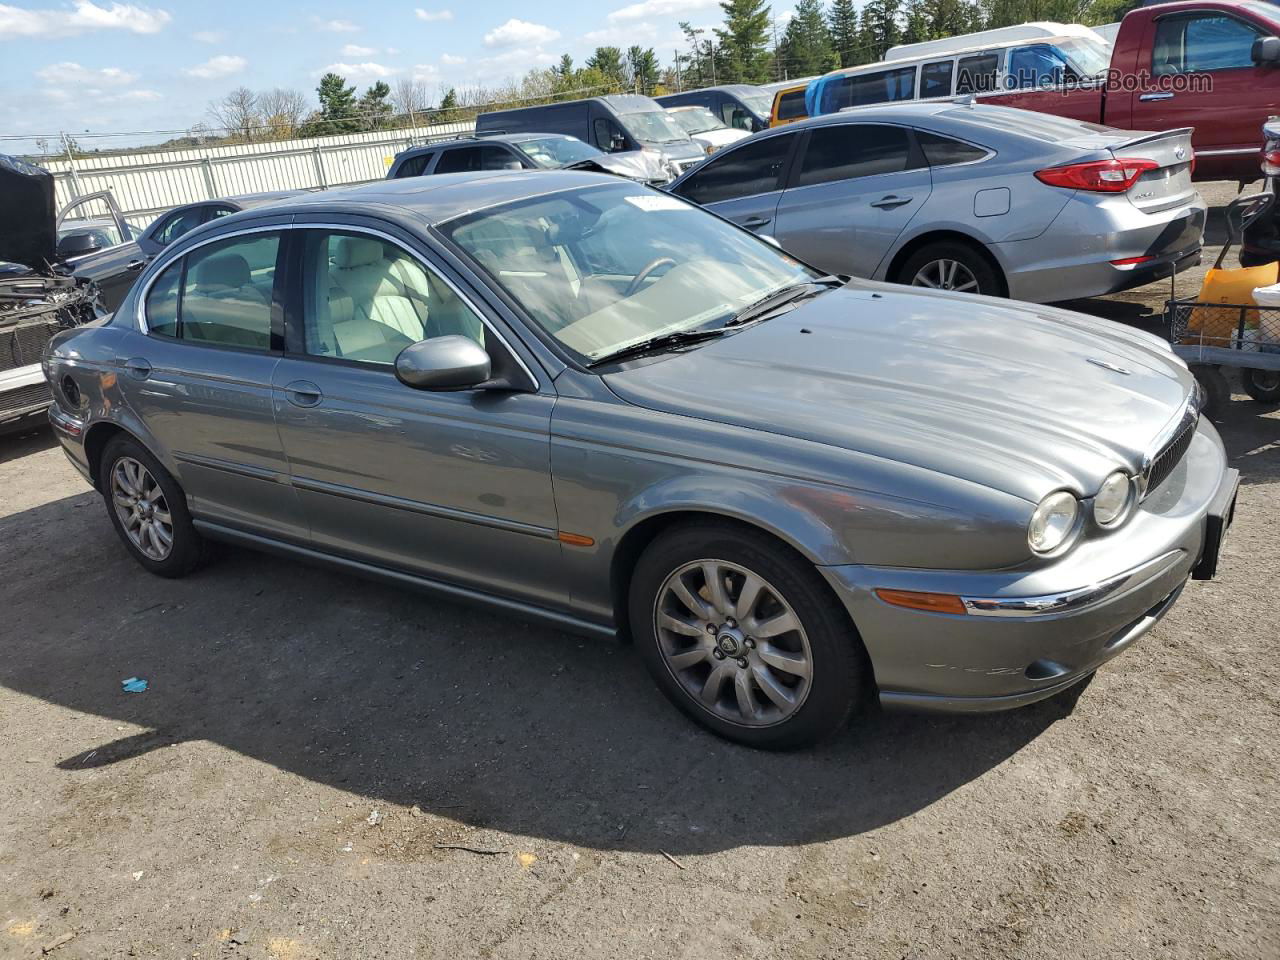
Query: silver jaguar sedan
x=580 y=399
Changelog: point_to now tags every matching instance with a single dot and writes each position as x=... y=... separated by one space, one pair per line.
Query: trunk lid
x=1169 y=185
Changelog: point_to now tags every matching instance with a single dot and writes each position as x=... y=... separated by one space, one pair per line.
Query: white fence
x=146 y=184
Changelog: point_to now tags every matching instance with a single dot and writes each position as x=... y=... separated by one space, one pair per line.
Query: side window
x=861 y=89
x=459 y=160
x=604 y=130
x=791 y=105
x=935 y=79
x=365 y=299
x=943 y=151
x=217 y=212
x=414 y=166
x=845 y=151
x=1200 y=43
x=977 y=74
x=178 y=224
x=218 y=294
x=1037 y=65
x=749 y=169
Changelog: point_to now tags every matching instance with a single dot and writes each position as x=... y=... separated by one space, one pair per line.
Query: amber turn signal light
x=929 y=602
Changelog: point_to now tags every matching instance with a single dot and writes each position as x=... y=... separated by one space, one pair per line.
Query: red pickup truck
x=1209 y=64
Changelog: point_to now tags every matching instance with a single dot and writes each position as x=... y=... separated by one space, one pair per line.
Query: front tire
x=742 y=634
x=148 y=509
x=951 y=266
x=1262 y=385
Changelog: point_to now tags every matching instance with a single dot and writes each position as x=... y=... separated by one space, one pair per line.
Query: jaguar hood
x=1020 y=398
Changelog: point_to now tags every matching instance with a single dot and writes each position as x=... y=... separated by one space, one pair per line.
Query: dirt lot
x=308 y=740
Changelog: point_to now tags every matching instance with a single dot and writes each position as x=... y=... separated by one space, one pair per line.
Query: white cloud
x=86 y=15
x=140 y=96
x=660 y=8
x=68 y=74
x=519 y=32
x=424 y=71
x=433 y=16
x=359 y=71
x=337 y=26
x=355 y=50
x=209 y=36
x=519 y=58
x=449 y=60
x=215 y=67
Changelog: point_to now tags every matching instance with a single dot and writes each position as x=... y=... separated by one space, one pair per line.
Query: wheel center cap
x=730 y=642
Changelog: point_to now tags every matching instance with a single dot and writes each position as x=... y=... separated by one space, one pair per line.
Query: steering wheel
x=643 y=275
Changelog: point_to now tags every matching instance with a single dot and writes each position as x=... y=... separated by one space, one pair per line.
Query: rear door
x=854 y=189
x=1202 y=75
x=743 y=183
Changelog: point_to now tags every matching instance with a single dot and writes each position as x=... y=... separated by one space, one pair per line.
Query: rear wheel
x=743 y=636
x=951 y=266
x=149 y=509
x=1262 y=385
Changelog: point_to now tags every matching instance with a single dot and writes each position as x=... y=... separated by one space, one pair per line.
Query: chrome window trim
x=1068 y=601
x=145 y=291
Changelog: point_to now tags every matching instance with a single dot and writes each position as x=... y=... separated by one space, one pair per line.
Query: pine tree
x=565 y=69
x=806 y=47
x=608 y=60
x=880 y=26
x=918 y=25
x=744 y=41
x=337 y=105
x=374 y=109
x=843 y=26
x=642 y=70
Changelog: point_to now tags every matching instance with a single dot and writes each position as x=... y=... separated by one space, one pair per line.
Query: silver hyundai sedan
x=583 y=400
x=966 y=197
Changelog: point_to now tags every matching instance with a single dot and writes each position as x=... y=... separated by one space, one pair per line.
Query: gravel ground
x=308 y=742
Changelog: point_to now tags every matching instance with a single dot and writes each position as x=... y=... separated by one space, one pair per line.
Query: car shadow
x=408 y=699
x=26 y=441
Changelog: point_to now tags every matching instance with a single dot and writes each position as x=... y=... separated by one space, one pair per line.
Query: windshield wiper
x=678 y=338
x=780 y=298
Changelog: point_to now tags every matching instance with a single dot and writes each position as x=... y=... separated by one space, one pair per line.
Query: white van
x=1039 y=30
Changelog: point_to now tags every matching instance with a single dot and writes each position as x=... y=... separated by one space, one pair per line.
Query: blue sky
x=108 y=67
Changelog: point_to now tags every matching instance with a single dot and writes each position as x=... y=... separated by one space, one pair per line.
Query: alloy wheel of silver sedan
x=733 y=643
x=946 y=275
x=142 y=508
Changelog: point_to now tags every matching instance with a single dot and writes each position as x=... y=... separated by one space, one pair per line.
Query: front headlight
x=1053 y=522
x=1112 y=502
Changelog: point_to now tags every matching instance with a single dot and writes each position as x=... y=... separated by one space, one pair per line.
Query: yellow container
x=1218 y=327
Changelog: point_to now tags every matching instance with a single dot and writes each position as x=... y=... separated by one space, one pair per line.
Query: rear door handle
x=889 y=202
x=137 y=368
x=752 y=223
x=303 y=393
x=1148 y=97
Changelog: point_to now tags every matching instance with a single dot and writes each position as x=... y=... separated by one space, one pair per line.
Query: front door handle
x=137 y=368
x=135 y=264
x=754 y=223
x=890 y=202
x=303 y=393
x=1148 y=97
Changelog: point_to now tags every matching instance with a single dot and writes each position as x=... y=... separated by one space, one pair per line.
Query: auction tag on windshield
x=652 y=202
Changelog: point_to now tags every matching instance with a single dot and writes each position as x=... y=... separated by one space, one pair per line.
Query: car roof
x=483 y=138
x=442 y=197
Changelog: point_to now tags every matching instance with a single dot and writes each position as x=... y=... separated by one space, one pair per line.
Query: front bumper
x=23 y=394
x=1074 y=257
x=1116 y=588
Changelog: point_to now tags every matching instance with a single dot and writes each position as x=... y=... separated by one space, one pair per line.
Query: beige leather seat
x=223 y=305
x=376 y=312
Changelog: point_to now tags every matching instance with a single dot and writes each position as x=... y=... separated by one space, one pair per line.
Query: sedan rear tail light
x=1101 y=176
x=1271 y=161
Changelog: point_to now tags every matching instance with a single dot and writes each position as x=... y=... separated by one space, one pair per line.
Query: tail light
x=1271 y=159
x=1101 y=176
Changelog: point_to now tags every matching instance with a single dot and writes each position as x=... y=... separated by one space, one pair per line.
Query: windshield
x=696 y=119
x=1088 y=56
x=652 y=126
x=602 y=268
x=556 y=152
x=761 y=104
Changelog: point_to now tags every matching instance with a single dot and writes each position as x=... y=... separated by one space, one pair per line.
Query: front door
x=743 y=183
x=200 y=378
x=453 y=486
x=854 y=190
x=1203 y=76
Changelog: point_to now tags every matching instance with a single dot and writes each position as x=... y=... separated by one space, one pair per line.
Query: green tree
x=608 y=60
x=337 y=106
x=880 y=27
x=744 y=42
x=642 y=70
x=565 y=69
x=806 y=46
x=918 y=24
x=448 y=111
x=374 y=108
x=843 y=26
x=947 y=18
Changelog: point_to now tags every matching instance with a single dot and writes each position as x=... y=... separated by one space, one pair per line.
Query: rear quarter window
x=943 y=151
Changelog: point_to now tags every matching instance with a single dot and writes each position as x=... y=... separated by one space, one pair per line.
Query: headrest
x=356 y=252
x=224 y=270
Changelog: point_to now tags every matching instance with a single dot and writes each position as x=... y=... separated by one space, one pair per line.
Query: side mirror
x=443 y=363
x=513 y=165
x=617 y=144
x=1266 y=50
x=78 y=244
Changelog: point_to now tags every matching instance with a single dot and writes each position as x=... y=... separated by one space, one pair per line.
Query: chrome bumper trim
x=1068 y=601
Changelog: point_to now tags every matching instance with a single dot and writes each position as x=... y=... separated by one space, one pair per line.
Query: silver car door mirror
x=443 y=363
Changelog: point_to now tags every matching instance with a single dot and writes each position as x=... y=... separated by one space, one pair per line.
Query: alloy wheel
x=142 y=508
x=733 y=643
x=946 y=275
